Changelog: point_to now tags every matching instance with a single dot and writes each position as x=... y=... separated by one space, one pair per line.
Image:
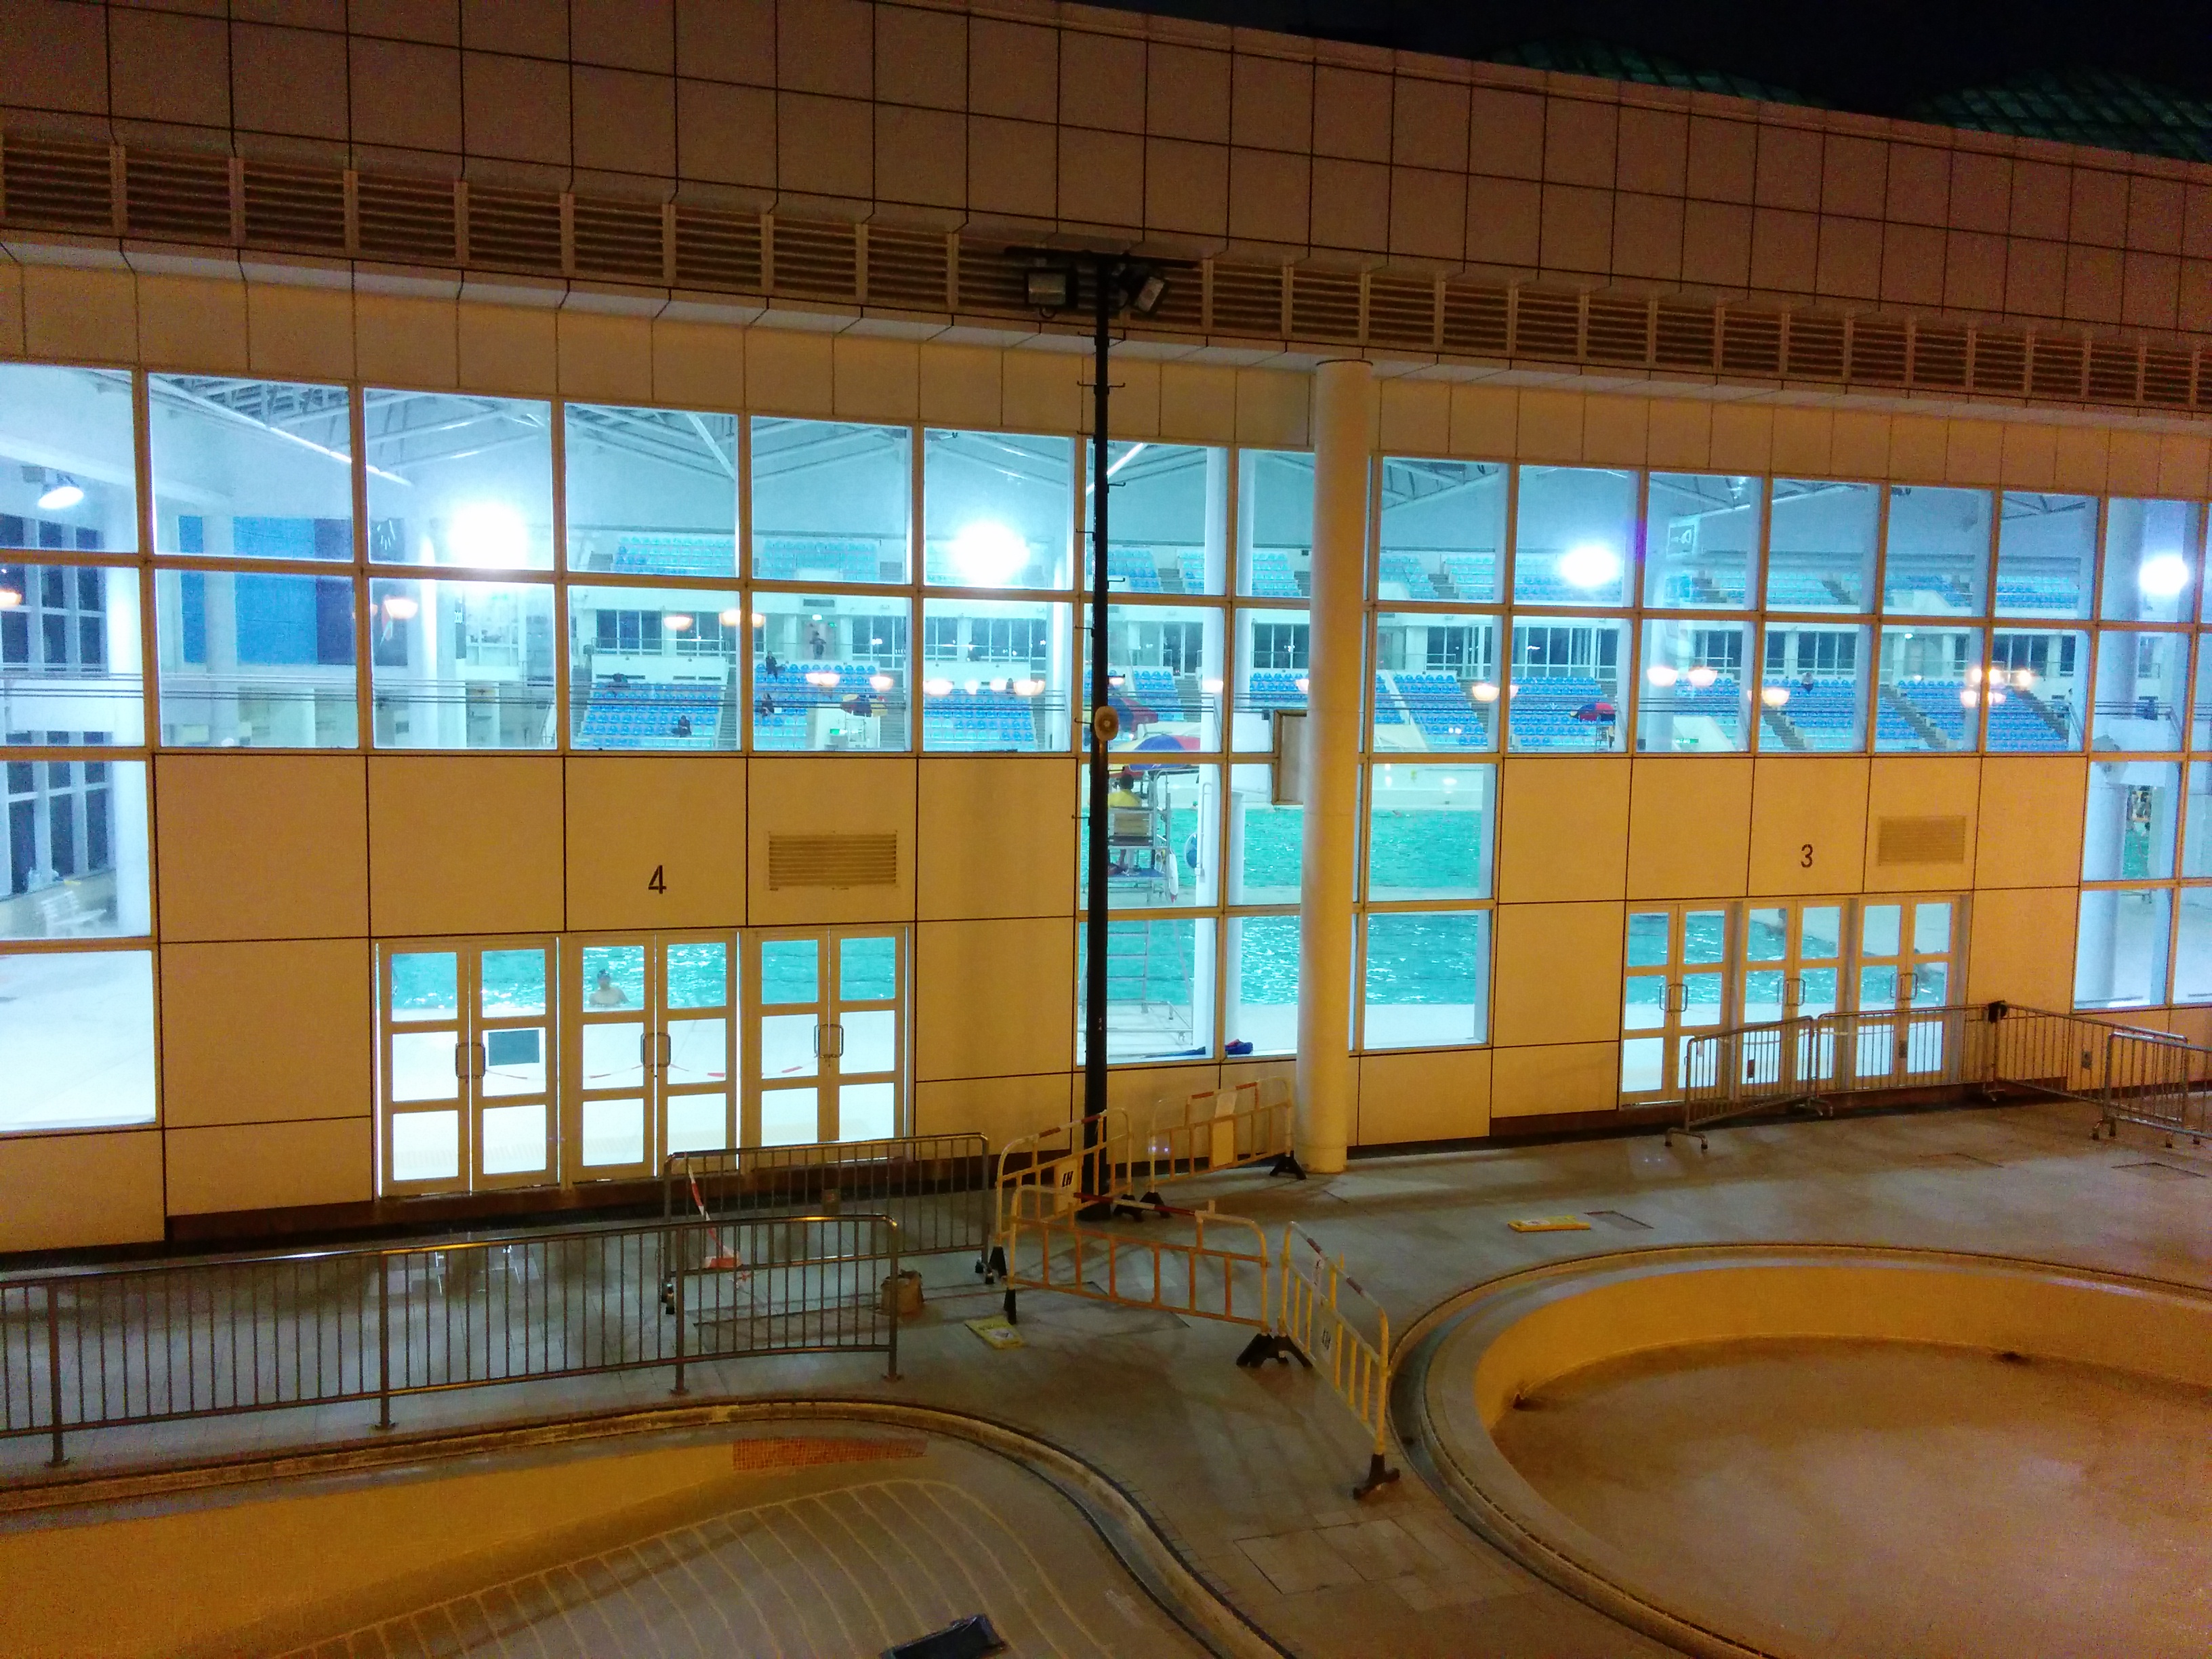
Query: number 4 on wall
x=658 y=881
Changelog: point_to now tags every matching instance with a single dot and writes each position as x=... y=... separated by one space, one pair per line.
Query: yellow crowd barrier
x=1224 y=1277
x=1315 y=1310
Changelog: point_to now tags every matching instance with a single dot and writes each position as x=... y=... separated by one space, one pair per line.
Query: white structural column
x=1343 y=429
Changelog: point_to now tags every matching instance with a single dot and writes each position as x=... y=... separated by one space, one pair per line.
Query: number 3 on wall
x=1804 y=857
x=658 y=881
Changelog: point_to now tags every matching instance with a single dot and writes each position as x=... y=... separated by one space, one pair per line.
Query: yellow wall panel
x=2028 y=830
x=1743 y=438
x=401 y=340
x=1922 y=787
x=1563 y=827
x=997 y=837
x=1801 y=802
x=1616 y=431
x=1803 y=440
x=191 y=323
x=994 y=998
x=258 y=1033
x=1689 y=827
x=1415 y=416
x=1681 y=432
x=604 y=358
x=633 y=817
x=1557 y=977
x=960 y=388
x=1136 y=411
x=270 y=1166
x=1858 y=444
x=788 y=371
x=1550 y=428
x=2131 y=463
x=830 y=795
x=261 y=846
x=697 y=366
x=2183 y=459
x=11 y=308
x=2079 y=461
x=63 y=1192
x=1577 y=1077
x=1273 y=408
x=1043 y=391
x=1138 y=1089
x=300 y=334
x=1973 y=451
x=77 y=316
x=510 y=349
x=1440 y=1095
x=2021 y=947
x=1917 y=448
x=465 y=844
x=2031 y=455
x=999 y=1108
x=875 y=380
x=1486 y=422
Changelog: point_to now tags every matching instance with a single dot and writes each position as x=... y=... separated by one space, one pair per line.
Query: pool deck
x=1248 y=1472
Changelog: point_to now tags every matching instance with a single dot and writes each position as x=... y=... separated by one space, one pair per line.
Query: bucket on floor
x=907 y=1288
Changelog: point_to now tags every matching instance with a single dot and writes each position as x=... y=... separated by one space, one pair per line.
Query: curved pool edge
x=1475 y=1480
x=1137 y=1540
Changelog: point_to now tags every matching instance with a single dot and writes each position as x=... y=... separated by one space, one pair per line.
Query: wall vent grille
x=1478 y=321
x=180 y=198
x=61 y=186
x=2055 y=366
x=295 y=207
x=1878 y=351
x=832 y=861
x=514 y=230
x=619 y=241
x=1999 y=364
x=2115 y=372
x=1920 y=841
x=910 y=268
x=1324 y=304
x=406 y=221
x=1248 y=300
x=1546 y=323
x=715 y=249
x=818 y=261
x=1401 y=311
x=1619 y=331
x=1939 y=357
x=1683 y=336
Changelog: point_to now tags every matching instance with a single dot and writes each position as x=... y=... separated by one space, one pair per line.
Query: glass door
x=1906 y=960
x=1676 y=989
x=828 y=1058
x=1793 y=968
x=654 y=1055
x=464 y=1067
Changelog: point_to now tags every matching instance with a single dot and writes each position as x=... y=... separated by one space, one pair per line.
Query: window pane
x=1812 y=688
x=1436 y=681
x=70 y=655
x=1820 y=546
x=513 y=981
x=1443 y=531
x=256 y=659
x=1429 y=831
x=867 y=971
x=1938 y=555
x=2150 y=559
x=459 y=480
x=2192 y=948
x=425 y=985
x=1262 y=1015
x=1274 y=525
x=77 y=1040
x=1927 y=694
x=1566 y=684
x=461 y=665
x=997 y=509
x=1931 y=927
x=1880 y=933
x=1650 y=933
x=2196 y=848
x=1696 y=696
x=2036 y=691
x=251 y=469
x=426 y=1145
x=2046 y=555
x=2119 y=954
x=2142 y=690
x=2200 y=728
x=1266 y=842
x=614 y=975
x=831 y=501
x=1160 y=989
x=2128 y=826
x=699 y=975
x=1167 y=519
x=994 y=675
x=1271 y=658
x=67 y=475
x=653 y=668
x=1164 y=666
x=76 y=833
x=1571 y=535
x=1700 y=541
x=1166 y=822
x=791 y=970
x=652 y=491
x=830 y=671
x=1427 y=978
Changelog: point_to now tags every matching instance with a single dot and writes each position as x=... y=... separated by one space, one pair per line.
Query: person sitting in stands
x=682 y=725
x=772 y=666
x=764 y=706
x=606 y=993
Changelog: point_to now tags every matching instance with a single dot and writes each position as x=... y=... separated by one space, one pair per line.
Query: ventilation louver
x=1920 y=841
x=832 y=861
x=1324 y=304
x=1248 y=300
x=1401 y=311
x=1546 y=323
x=183 y=198
x=56 y=186
x=295 y=207
x=718 y=250
x=619 y=241
x=1619 y=330
x=1682 y=336
x=815 y=261
x=515 y=230
x=406 y=221
x=1478 y=321
x=909 y=269
x=1751 y=343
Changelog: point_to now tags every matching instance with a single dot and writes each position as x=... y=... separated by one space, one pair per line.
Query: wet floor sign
x=996 y=1331
x=1552 y=1224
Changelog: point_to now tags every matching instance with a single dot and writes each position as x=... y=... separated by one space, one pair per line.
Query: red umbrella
x=1597 y=710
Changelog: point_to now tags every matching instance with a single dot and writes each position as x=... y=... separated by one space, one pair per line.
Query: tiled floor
x=1249 y=1471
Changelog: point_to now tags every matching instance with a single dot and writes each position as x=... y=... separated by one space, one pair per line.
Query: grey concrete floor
x=1249 y=1473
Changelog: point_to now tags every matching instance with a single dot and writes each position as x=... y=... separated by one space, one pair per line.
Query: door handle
x=653 y=1050
x=468 y=1060
x=1678 y=999
x=834 y=1047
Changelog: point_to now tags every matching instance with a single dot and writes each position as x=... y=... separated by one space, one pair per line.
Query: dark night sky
x=1876 y=56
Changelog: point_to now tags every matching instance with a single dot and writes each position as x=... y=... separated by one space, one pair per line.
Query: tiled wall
x=1040 y=116
x=273 y=1112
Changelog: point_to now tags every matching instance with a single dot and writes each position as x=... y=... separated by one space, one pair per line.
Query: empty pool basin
x=1811 y=1453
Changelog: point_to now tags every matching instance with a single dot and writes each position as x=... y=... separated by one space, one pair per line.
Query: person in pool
x=606 y=993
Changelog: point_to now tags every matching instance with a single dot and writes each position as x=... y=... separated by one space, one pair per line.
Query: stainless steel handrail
x=163 y=1341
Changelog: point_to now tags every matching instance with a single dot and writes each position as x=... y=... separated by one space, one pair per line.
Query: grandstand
x=1697 y=717
x=1545 y=715
x=828 y=558
x=1918 y=713
x=978 y=717
x=2020 y=722
x=783 y=699
x=1815 y=716
x=1272 y=577
x=622 y=712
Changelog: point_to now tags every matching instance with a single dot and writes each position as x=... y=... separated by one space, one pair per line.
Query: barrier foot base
x=1379 y=1475
x=1269 y=1344
x=1286 y=1163
x=1672 y=1131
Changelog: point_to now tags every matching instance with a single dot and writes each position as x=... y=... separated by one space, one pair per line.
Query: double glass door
x=1676 y=989
x=654 y=1059
x=466 y=1068
x=828 y=1062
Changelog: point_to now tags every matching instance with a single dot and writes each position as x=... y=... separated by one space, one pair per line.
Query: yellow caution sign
x=1552 y=1224
x=996 y=1332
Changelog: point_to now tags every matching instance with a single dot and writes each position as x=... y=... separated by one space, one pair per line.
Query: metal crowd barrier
x=2156 y=1081
x=167 y=1341
x=1047 y=1249
x=1313 y=1317
x=1214 y=1129
x=937 y=1188
x=1813 y=1061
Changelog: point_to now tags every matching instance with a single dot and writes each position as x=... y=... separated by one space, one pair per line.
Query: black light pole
x=1105 y=279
